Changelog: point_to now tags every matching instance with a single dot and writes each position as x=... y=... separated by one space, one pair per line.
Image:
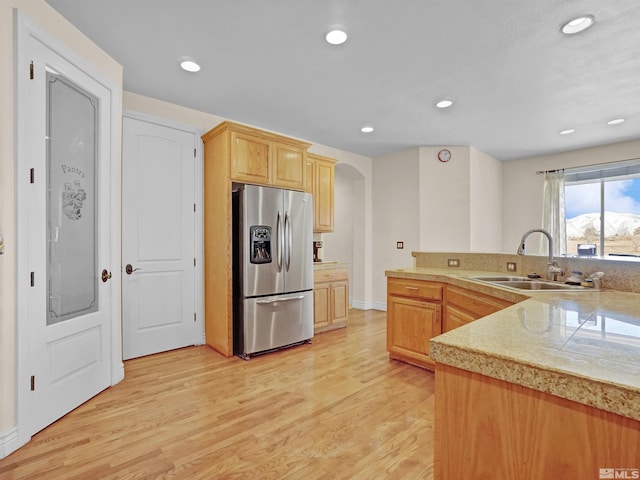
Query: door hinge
x=32 y=175
x=31 y=74
x=194 y=262
x=194 y=207
x=194 y=153
x=32 y=279
x=33 y=383
x=194 y=317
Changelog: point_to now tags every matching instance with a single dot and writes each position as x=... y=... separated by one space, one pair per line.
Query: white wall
x=338 y=245
x=49 y=20
x=396 y=215
x=485 y=195
x=169 y=111
x=361 y=291
x=444 y=200
x=433 y=206
x=523 y=188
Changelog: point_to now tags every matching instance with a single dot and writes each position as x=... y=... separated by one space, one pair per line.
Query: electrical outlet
x=511 y=266
x=399 y=245
x=453 y=262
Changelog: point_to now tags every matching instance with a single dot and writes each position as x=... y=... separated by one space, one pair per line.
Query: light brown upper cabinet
x=323 y=179
x=289 y=164
x=263 y=158
x=250 y=158
x=309 y=174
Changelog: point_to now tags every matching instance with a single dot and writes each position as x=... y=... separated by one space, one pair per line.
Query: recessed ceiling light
x=444 y=104
x=577 y=25
x=336 y=37
x=615 y=121
x=189 y=65
x=568 y=131
x=367 y=129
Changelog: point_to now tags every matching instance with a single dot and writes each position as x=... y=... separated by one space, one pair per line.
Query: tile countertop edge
x=592 y=391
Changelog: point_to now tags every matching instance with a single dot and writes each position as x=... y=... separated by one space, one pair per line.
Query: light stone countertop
x=583 y=346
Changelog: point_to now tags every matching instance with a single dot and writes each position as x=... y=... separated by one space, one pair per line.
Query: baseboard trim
x=379 y=306
x=118 y=373
x=8 y=442
x=361 y=305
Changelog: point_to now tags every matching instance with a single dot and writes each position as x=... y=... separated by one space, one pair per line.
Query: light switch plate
x=399 y=245
x=453 y=262
x=511 y=266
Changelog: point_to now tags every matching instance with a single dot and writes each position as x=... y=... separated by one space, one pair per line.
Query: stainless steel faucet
x=553 y=270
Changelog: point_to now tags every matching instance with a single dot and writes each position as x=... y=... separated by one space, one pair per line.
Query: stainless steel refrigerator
x=272 y=268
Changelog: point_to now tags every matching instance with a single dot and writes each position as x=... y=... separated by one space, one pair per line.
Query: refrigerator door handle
x=287 y=230
x=275 y=300
x=280 y=242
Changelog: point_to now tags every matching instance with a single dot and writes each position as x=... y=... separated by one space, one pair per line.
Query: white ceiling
x=515 y=79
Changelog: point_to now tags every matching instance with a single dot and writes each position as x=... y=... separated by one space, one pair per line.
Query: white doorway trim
x=199 y=218
x=27 y=31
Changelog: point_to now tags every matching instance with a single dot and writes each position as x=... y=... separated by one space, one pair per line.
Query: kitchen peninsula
x=548 y=387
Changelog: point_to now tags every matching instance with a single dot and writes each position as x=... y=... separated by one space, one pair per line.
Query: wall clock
x=444 y=155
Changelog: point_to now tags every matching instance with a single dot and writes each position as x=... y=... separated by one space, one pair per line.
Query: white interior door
x=158 y=235
x=67 y=235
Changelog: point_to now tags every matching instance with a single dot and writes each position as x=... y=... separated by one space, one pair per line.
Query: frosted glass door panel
x=72 y=269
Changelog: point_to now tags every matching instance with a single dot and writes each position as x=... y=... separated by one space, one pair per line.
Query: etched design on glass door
x=72 y=214
x=72 y=198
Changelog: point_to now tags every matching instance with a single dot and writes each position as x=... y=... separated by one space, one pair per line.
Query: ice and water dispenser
x=260 y=243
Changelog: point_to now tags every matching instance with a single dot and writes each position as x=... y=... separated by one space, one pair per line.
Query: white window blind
x=624 y=168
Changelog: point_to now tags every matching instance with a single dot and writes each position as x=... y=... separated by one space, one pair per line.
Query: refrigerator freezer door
x=298 y=235
x=276 y=321
x=263 y=207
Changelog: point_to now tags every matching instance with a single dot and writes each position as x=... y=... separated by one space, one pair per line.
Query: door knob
x=129 y=269
x=106 y=275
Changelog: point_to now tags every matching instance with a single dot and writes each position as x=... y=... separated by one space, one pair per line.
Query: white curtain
x=553 y=213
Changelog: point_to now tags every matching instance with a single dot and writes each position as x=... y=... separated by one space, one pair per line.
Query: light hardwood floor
x=335 y=409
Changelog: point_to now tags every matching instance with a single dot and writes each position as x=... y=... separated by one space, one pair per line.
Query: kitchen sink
x=540 y=285
x=504 y=278
x=529 y=284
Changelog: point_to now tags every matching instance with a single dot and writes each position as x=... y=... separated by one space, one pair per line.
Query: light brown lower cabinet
x=418 y=310
x=330 y=299
x=414 y=311
x=488 y=428
x=463 y=306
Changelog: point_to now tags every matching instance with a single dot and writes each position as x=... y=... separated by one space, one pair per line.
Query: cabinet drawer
x=330 y=275
x=478 y=304
x=414 y=288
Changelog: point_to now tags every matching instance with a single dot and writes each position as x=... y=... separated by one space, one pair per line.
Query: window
x=603 y=209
